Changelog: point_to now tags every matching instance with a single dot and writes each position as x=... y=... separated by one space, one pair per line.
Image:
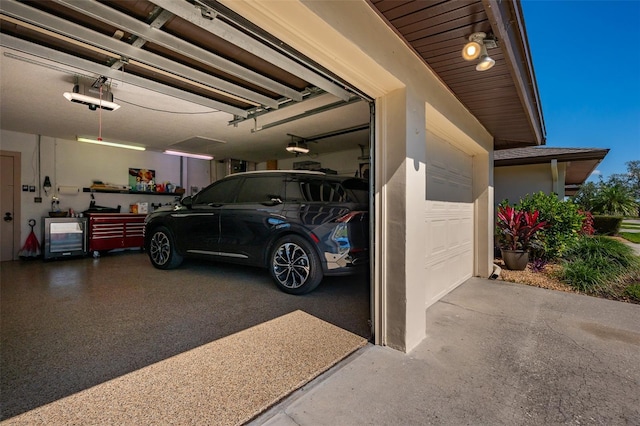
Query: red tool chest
x=109 y=231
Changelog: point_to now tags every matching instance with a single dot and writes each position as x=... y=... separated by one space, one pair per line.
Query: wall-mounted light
x=187 y=154
x=477 y=48
x=46 y=185
x=99 y=141
x=298 y=148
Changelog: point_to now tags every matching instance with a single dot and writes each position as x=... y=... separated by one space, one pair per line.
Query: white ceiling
x=31 y=102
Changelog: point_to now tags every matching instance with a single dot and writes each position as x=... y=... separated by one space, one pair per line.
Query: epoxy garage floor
x=69 y=325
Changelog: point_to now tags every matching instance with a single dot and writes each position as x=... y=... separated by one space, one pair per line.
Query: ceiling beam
x=89 y=38
x=97 y=69
x=148 y=32
x=193 y=14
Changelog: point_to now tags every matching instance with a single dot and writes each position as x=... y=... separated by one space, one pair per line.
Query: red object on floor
x=31 y=248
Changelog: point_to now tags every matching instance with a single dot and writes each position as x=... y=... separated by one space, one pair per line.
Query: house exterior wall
x=351 y=40
x=515 y=182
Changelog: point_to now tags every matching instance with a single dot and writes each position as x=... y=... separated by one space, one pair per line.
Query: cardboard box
x=143 y=208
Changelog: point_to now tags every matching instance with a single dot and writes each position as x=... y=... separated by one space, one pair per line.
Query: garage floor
x=69 y=325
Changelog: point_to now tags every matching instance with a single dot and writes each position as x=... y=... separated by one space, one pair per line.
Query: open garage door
x=188 y=76
x=449 y=217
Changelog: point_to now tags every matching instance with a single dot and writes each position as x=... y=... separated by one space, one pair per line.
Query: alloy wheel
x=291 y=265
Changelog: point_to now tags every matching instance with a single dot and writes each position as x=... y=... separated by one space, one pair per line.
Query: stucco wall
x=515 y=182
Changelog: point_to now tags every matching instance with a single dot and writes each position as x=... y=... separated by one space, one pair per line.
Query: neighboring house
x=521 y=171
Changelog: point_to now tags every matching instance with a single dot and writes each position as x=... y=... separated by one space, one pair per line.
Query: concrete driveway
x=496 y=354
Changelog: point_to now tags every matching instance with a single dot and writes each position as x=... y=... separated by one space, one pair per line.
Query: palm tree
x=615 y=200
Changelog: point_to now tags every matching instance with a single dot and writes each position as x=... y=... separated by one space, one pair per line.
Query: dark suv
x=300 y=225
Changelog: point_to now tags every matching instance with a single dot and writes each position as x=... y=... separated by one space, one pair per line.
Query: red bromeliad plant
x=517 y=228
x=587 y=223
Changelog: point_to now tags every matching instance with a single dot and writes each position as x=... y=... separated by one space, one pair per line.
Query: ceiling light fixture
x=477 y=48
x=83 y=94
x=187 y=154
x=99 y=141
x=298 y=148
x=92 y=102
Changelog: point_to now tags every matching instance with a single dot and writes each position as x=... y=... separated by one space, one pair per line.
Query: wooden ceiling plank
x=140 y=29
x=120 y=49
x=246 y=42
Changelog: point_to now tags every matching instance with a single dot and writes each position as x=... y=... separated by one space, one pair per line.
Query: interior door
x=9 y=205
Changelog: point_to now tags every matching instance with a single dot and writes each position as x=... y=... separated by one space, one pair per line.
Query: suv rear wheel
x=162 y=249
x=295 y=265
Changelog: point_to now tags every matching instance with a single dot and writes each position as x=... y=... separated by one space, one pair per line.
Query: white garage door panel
x=448 y=219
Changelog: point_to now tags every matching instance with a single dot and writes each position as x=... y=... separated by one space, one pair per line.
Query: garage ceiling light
x=92 y=102
x=99 y=141
x=187 y=154
x=298 y=148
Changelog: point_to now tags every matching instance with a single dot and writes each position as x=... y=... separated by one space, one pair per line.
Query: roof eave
x=515 y=48
x=541 y=159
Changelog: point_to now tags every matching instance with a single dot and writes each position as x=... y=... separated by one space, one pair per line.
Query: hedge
x=607 y=225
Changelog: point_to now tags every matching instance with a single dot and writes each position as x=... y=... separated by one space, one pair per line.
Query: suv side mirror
x=187 y=201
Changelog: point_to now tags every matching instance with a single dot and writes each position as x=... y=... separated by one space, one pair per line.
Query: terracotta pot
x=515 y=260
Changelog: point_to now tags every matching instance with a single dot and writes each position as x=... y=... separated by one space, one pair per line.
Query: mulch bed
x=547 y=279
x=543 y=279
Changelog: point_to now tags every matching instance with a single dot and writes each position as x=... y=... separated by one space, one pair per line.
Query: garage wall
x=65 y=162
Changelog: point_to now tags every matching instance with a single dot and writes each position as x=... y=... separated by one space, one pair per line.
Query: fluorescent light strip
x=298 y=149
x=186 y=154
x=113 y=144
x=88 y=100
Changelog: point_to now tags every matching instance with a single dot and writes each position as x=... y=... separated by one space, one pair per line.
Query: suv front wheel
x=295 y=265
x=162 y=249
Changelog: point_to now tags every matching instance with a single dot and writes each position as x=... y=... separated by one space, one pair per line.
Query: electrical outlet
x=25 y=188
x=37 y=200
x=32 y=188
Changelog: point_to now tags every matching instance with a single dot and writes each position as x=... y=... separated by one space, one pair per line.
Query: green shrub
x=564 y=223
x=595 y=264
x=585 y=276
x=607 y=225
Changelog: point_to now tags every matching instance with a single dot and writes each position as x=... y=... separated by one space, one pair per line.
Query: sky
x=586 y=57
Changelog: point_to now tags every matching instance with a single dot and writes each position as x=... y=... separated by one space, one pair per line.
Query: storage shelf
x=127 y=191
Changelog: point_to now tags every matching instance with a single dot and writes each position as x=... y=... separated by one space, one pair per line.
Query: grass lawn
x=634 y=237
x=630 y=226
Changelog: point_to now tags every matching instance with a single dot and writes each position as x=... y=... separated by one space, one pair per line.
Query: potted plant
x=516 y=235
